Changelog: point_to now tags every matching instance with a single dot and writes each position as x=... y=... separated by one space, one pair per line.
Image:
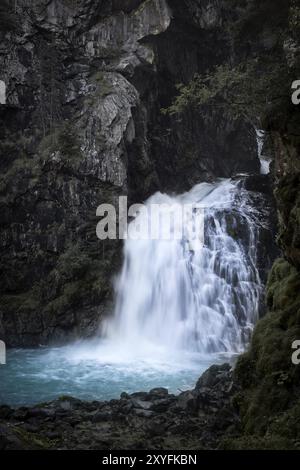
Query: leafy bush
x=246 y=89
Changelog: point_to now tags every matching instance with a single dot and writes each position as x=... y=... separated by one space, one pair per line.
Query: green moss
x=73 y=263
x=283 y=286
x=33 y=440
x=269 y=401
x=245 y=369
x=65 y=398
x=141 y=8
x=27 y=301
x=104 y=87
x=288 y=198
x=107 y=53
x=58 y=305
x=257 y=443
x=79 y=275
x=234 y=89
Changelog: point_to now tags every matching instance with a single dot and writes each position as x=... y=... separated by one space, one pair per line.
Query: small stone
x=145 y=405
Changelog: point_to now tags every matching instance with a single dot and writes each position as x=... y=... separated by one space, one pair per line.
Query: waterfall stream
x=264 y=160
x=183 y=295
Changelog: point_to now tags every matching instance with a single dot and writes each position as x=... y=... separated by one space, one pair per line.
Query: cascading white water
x=264 y=161
x=182 y=295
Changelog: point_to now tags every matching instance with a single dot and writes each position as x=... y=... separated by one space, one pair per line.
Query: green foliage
x=256 y=85
x=246 y=89
x=205 y=89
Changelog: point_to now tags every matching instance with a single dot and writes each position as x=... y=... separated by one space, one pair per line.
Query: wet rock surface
x=193 y=419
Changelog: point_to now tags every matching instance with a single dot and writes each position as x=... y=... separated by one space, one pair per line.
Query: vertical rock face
x=82 y=124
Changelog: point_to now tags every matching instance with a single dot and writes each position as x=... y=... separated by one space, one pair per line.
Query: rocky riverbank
x=195 y=419
x=209 y=417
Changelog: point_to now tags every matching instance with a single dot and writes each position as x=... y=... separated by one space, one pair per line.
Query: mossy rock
x=104 y=87
x=32 y=440
x=269 y=381
x=253 y=442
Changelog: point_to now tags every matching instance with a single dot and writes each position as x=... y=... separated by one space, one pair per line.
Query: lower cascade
x=181 y=295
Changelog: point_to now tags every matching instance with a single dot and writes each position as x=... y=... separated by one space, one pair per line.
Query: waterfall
x=187 y=296
x=264 y=161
